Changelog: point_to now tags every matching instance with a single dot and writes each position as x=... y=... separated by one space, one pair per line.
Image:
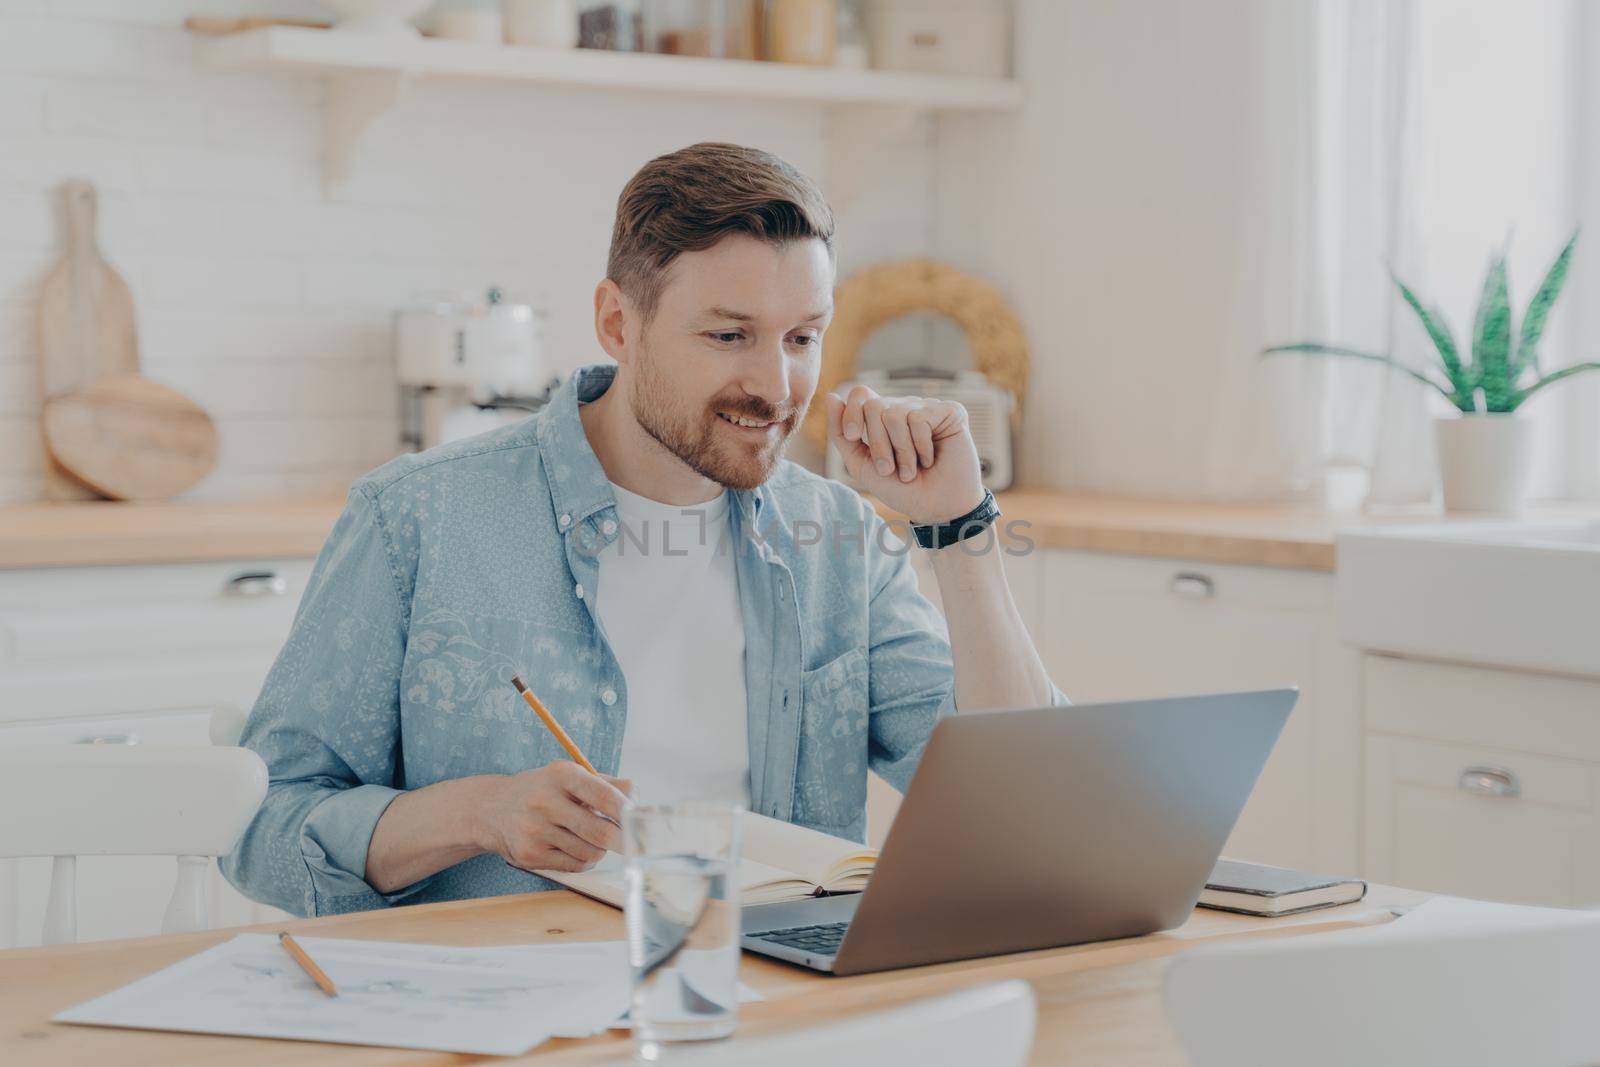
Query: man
x=702 y=616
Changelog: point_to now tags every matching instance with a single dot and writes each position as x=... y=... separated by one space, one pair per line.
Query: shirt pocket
x=831 y=772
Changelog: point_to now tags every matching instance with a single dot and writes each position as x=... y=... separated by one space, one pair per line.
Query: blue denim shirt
x=452 y=570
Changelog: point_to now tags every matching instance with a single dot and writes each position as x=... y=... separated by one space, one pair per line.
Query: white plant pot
x=1483 y=462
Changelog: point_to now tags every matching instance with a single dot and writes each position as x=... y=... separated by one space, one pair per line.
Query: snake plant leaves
x=1445 y=342
x=1314 y=349
x=1539 y=310
x=1491 y=341
x=1497 y=369
x=1556 y=376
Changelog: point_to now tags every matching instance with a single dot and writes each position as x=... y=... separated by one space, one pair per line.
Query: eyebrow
x=744 y=316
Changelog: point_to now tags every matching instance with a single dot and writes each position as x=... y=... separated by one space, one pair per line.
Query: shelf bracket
x=355 y=100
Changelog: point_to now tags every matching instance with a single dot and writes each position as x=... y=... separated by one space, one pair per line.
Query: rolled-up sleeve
x=327 y=725
x=911 y=667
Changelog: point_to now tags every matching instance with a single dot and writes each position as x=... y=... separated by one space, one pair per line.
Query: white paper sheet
x=486 y=1001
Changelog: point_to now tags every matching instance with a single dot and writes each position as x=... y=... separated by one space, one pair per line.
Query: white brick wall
x=271 y=305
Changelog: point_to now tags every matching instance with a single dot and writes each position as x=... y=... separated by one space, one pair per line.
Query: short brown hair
x=688 y=200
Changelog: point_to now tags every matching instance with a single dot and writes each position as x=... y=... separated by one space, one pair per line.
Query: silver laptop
x=1032 y=829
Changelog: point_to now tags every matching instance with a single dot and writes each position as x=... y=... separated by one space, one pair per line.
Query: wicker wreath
x=870 y=298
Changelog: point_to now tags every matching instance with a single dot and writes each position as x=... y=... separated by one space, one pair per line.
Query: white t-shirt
x=669 y=605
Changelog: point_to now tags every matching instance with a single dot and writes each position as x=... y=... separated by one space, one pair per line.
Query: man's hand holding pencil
x=563 y=816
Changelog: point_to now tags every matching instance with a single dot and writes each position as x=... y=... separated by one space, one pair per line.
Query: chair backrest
x=65 y=801
x=1456 y=981
x=985 y=1026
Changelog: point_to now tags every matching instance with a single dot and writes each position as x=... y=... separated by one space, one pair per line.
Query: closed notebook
x=778 y=862
x=1256 y=889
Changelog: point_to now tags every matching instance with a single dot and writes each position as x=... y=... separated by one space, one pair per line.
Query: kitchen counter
x=101 y=532
x=1265 y=535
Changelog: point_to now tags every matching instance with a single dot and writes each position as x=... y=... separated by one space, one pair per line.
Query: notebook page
x=822 y=859
x=759 y=883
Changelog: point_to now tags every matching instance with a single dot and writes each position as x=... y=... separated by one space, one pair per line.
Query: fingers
x=921 y=436
x=905 y=452
x=544 y=856
x=853 y=425
x=894 y=435
x=624 y=785
x=581 y=852
x=593 y=791
x=853 y=453
x=877 y=436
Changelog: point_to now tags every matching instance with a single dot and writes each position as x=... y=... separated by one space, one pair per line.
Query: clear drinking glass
x=682 y=915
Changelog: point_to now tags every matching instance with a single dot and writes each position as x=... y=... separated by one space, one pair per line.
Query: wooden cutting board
x=108 y=431
x=130 y=438
x=86 y=324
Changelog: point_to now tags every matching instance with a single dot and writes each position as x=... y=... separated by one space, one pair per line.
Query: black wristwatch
x=973 y=523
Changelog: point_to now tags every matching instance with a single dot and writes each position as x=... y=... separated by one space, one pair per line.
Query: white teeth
x=740 y=420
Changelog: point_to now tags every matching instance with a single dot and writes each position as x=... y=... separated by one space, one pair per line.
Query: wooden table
x=1098 y=1004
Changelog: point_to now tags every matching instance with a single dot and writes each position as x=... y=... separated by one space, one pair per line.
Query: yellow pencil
x=307 y=964
x=554 y=727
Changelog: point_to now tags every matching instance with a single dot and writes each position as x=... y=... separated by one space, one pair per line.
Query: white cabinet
x=1483 y=782
x=1117 y=628
x=1114 y=627
x=133 y=655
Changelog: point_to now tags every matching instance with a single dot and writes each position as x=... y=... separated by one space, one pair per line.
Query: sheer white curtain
x=1403 y=135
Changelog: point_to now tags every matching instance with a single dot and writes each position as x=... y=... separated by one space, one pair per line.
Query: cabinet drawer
x=1482 y=822
x=1537 y=713
x=91 y=613
x=180 y=583
x=1187 y=581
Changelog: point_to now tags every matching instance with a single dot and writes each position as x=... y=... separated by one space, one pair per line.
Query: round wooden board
x=130 y=438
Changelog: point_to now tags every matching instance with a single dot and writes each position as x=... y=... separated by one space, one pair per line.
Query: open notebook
x=779 y=861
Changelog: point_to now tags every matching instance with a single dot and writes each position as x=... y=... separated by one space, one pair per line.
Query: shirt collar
x=578 y=484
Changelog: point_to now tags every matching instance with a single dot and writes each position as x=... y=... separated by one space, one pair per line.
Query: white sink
x=1522 y=594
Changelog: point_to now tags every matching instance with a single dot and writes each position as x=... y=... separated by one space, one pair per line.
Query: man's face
x=724 y=371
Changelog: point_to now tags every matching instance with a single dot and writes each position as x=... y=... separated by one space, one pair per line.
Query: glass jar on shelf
x=850 y=50
x=801 y=31
x=723 y=29
x=611 y=25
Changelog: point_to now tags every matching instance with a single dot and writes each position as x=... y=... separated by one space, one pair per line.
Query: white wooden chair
x=66 y=801
x=985 y=1026
x=1460 y=982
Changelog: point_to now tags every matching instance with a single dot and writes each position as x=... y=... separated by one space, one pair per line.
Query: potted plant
x=1483 y=451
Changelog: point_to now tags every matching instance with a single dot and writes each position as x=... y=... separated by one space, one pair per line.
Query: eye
x=726 y=337
x=804 y=340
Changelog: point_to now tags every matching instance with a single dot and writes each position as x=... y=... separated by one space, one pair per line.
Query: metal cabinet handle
x=1192 y=585
x=129 y=738
x=256 y=583
x=1486 y=781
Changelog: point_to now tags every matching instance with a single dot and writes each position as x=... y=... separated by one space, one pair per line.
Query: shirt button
x=578 y=589
x=609 y=697
x=608 y=527
x=564 y=520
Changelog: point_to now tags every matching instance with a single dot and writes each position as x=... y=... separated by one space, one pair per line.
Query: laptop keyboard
x=823 y=939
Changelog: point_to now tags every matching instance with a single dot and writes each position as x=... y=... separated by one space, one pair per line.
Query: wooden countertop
x=1270 y=535
x=1098 y=1003
x=102 y=532
x=1264 y=535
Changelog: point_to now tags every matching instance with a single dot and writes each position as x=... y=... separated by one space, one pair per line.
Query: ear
x=613 y=319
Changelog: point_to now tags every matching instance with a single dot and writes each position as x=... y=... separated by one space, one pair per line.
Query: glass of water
x=682 y=915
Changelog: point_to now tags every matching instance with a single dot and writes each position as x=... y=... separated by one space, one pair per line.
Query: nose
x=767 y=376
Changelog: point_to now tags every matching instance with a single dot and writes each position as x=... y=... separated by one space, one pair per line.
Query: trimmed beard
x=730 y=465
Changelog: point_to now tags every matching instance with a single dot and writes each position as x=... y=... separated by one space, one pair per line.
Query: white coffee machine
x=467 y=365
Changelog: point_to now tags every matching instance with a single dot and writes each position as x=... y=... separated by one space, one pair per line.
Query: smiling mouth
x=747 y=423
